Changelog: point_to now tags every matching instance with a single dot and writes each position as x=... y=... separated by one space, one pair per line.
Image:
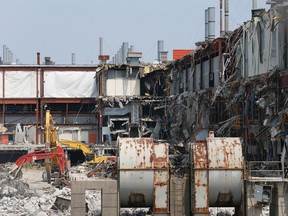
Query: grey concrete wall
x=252 y=207
x=279 y=205
x=179 y=196
x=109 y=199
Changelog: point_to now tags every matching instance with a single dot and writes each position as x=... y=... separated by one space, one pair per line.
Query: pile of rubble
x=18 y=198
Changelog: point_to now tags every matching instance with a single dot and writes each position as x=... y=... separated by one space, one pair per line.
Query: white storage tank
x=143 y=174
x=217 y=174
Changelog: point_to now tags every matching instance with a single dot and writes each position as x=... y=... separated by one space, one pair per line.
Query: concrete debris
x=18 y=198
x=93 y=202
x=104 y=170
x=135 y=212
x=221 y=211
x=91 y=171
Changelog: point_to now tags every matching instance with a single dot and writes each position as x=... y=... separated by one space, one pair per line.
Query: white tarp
x=123 y=87
x=67 y=84
x=19 y=84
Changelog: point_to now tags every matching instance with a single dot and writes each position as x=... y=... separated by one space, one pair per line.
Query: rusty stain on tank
x=161 y=184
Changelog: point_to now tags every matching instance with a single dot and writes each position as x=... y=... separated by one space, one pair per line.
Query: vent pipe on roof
x=7 y=54
x=73 y=58
x=100 y=46
x=119 y=53
x=38 y=58
x=124 y=52
x=206 y=25
x=254 y=4
x=10 y=56
x=211 y=23
x=160 y=48
x=4 y=54
x=131 y=49
x=226 y=16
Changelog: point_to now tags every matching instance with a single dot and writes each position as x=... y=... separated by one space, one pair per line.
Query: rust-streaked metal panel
x=161 y=203
x=200 y=154
x=200 y=199
x=160 y=156
x=225 y=153
x=136 y=153
x=201 y=193
x=225 y=163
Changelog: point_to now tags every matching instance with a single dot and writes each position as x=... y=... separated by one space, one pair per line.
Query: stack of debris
x=18 y=198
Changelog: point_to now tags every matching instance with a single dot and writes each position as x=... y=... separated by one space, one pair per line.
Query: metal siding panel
x=197 y=77
x=215 y=70
x=200 y=155
x=161 y=156
x=201 y=201
x=205 y=74
x=190 y=79
x=200 y=180
x=224 y=153
x=177 y=54
x=136 y=153
x=161 y=192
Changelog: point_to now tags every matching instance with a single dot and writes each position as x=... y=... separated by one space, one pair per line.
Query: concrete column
x=252 y=208
x=279 y=205
x=179 y=196
x=109 y=199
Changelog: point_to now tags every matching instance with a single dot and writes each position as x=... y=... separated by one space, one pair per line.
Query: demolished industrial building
x=206 y=130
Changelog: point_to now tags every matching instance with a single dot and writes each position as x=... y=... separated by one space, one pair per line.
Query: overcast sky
x=57 y=28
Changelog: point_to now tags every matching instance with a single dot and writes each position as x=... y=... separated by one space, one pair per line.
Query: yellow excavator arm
x=52 y=142
x=90 y=156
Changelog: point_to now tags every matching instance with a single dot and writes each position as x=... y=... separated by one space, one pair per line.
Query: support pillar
x=109 y=198
x=279 y=204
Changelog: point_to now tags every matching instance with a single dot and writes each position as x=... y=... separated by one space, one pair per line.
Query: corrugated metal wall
x=205 y=74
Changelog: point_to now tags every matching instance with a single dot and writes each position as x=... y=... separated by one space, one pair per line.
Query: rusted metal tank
x=217 y=174
x=143 y=174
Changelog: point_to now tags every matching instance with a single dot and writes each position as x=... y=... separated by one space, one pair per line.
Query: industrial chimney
x=73 y=58
x=101 y=57
x=226 y=16
x=160 y=48
x=125 y=46
x=206 y=25
x=254 y=4
x=4 y=54
x=211 y=23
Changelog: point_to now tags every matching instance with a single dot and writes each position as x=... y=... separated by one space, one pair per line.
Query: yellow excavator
x=51 y=136
x=90 y=156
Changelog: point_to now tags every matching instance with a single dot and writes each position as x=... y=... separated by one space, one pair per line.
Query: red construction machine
x=60 y=175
